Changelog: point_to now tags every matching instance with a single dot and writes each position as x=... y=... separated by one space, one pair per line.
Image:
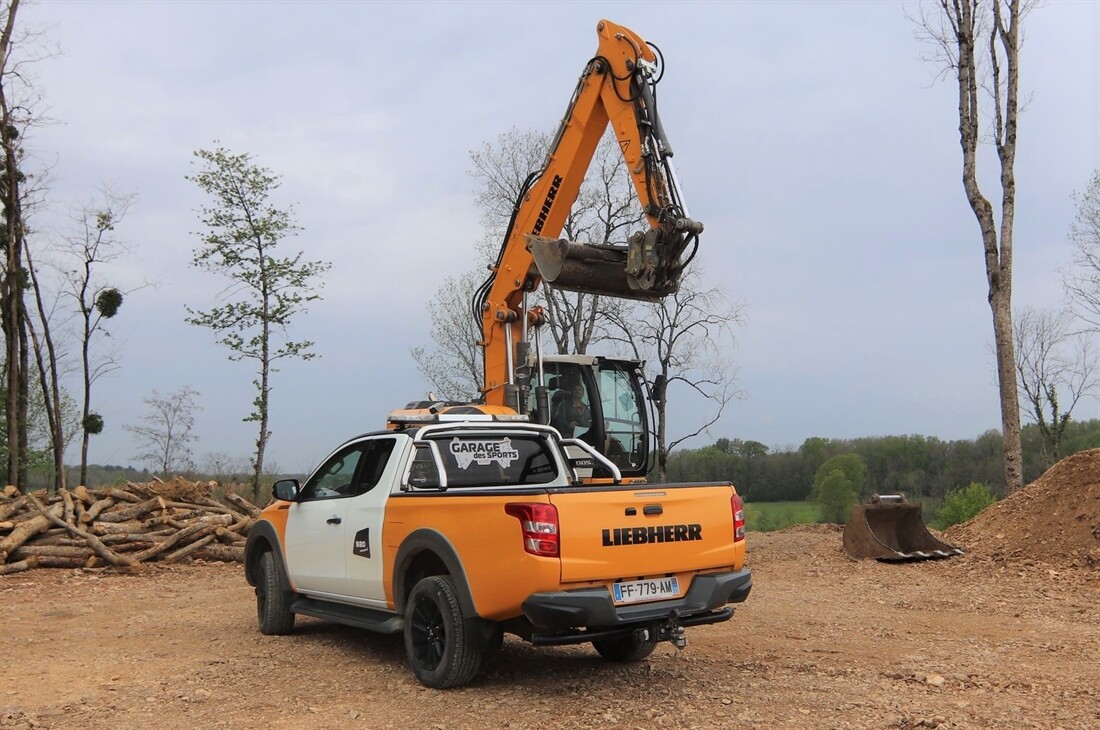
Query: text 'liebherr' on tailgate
x=618 y=534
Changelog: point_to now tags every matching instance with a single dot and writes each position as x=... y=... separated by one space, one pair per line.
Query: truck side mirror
x=286 y=489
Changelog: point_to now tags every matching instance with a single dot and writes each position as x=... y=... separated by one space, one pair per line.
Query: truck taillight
x=539 y=524
x=738 y=518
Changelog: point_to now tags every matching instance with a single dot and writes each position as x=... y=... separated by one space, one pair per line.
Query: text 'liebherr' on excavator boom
x=617 y=87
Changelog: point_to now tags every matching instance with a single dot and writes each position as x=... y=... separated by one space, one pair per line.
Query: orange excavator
x=617 y=87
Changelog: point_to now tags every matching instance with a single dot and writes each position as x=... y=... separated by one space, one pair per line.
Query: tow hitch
x=669 y=630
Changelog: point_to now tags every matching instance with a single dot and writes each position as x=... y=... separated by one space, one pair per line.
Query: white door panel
x=316 y=559
x=364 y=525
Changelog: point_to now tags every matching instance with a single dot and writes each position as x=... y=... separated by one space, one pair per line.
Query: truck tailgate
x=645 y=530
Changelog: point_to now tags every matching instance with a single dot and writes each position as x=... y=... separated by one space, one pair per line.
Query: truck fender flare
x=429 y=540
x=261 y=538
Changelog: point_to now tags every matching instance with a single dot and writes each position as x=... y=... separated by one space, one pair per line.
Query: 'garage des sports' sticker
x=483 y=452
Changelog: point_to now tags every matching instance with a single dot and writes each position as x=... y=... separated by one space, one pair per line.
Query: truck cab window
x=490 y=460
x=336 y=477
x=423 y=473
x=376 y=455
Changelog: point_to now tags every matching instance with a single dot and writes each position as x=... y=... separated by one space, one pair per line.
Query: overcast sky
x=811 y=139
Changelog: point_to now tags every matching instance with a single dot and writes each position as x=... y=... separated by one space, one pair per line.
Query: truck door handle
x=652 y=509
x=334 y=520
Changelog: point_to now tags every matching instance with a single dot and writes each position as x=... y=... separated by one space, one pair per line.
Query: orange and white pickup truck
x=455 y=532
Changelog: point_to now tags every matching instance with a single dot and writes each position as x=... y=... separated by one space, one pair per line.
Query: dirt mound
x=1055 y=519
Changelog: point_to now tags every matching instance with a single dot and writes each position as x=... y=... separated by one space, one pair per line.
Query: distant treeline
x=100 y=475
x=916 y=465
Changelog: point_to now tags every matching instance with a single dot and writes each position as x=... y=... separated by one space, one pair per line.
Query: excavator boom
x=617 y=89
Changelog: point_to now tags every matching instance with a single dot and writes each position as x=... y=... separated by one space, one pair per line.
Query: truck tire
x=272 y=602
x=439 y=651
x=625 y=648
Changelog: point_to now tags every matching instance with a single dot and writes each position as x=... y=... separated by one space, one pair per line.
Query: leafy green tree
x=963 y=504
x=851 y=467
x=836 y=494
x=814 y=452
x=242 y=230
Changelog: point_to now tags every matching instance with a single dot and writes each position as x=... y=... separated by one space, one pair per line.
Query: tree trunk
x=27 y=529
x=23 y=400
x=51 y=389
x=11 y=290
x=1009 y=396
x=261 y=403
x=662 y=441
x=998 y=254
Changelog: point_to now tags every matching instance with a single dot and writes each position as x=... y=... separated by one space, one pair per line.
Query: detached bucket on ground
x=889 y=528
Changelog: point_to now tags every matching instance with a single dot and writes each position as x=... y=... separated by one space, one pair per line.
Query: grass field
x=768 y=516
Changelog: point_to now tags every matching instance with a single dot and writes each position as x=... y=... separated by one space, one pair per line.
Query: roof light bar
x=457 y=418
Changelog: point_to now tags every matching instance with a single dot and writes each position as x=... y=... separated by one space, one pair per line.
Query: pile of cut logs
x=121 y=526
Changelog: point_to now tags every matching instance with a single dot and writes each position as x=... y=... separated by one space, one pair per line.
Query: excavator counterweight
x=889 y=528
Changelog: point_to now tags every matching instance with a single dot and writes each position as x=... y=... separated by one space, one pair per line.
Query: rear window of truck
x=480 y=460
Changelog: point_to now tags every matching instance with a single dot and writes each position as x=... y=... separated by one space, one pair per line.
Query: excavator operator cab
x=600 y=401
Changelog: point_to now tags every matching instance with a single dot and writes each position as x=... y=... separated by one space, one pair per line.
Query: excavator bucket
x=588 y=268
x=648 y=267
x=890 y=529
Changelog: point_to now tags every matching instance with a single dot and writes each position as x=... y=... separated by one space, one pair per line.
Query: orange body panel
x=587 y=554
x=488 y=541
x=502 y=575
x=277 y=513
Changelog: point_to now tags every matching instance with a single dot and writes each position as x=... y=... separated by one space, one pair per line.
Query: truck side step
x=382 y=622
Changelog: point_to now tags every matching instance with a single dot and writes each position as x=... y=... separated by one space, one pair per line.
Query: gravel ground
x=822 y=642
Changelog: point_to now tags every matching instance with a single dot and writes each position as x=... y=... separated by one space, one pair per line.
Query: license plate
x=632 y=591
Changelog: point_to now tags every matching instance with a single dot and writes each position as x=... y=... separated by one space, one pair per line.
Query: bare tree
x=453 y=366
x=93 y=246
x=243 y=230
x=165 y=434
x=1082 y=281
x=20 y=192
x=605 y=210
x=47 y=356
x=13 y=120
x=225 y=468
x=1055 y=368
x=978 y=42
x=684 y=339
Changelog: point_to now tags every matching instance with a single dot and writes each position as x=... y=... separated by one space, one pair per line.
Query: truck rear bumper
x=593 y=608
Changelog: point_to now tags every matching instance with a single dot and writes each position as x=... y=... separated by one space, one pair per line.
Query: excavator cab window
x=602 y=405
x=567 y=385
x=625 y=437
